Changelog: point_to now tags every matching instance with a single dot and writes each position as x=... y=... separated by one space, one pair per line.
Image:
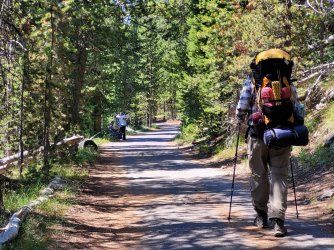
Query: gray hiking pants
x=268 y=183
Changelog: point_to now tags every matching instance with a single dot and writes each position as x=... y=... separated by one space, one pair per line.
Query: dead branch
x=314 y=86
x=324 y=67
x=318 y=7
x=329 y=40
x=311 y=76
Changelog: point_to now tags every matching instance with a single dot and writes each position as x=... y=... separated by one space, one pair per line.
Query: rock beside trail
x=329 y=96
x=326 y=194
x=306 y=202
x=329 y=140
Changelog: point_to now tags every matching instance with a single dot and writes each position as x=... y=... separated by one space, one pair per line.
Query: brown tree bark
x=97 y=113
x=48 y=100
x=78 y=78
x=288 y=20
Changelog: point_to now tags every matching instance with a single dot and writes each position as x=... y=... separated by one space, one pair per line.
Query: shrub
x=85 y=155
x=188 y=134
x=319 y=157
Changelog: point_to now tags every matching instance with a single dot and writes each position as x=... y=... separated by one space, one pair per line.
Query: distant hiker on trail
x=269 y=100
x=121 y=122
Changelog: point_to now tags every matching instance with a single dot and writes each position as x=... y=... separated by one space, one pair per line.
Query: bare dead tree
x=322 y=7
x=315 y=71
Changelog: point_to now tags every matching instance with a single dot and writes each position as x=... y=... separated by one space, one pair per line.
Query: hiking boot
x=261 y=220
x=279 y=228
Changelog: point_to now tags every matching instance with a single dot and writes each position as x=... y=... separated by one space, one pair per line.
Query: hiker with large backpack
x=275 y=122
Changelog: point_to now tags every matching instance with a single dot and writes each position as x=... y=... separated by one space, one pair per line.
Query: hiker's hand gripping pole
x=235 y=165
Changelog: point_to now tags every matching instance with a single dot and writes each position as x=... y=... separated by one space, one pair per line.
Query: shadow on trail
x=205 y=190
x=165 y=201
x=148 y=134
x=143 y=140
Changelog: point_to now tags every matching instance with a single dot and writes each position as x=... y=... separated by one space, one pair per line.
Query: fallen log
x=11 y=230
x=323 y=68
x=11 y=160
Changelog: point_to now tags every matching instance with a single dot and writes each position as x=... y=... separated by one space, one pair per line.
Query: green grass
x=131 y=132
x=321 y=122
x=100 y=141
x=188 y=134
x=227 y=149
x=31 y=184
x=320 y=125
x=38 y=227
x=312 y=121
x=145 y=129
x=313 y=198
x=58 y=205
x=32 y=234
x=223 y=153
x=316 y=155
x=15 y=199
x=85 y=155
x=328 y=82
x=319 y=157
x=204 y=149
x=331 y=206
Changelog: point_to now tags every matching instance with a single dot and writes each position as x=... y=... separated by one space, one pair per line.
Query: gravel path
x=146 y=194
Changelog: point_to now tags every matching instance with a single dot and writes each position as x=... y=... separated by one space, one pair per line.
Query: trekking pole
x=294 y=187
x=235 y=165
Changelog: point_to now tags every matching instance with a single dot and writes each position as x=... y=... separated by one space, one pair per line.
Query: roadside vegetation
x=313 y=165
x=38 y=227
x=67 y=67
x=145 y=129
x=189 y=134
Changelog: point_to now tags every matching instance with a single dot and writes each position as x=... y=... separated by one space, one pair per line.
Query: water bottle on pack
x=300 y=113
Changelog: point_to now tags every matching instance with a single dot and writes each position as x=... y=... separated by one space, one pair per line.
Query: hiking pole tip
x=235 y=165
x=294 y=187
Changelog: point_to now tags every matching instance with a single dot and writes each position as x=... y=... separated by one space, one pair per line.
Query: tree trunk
x=174 y=104
x=48 y=101
x=97 y=115
x=24 y=82
x=322 y=38
x=78 y=80
x=287 y=25
x=21 y=146
x=164 y=110
x=2 y=206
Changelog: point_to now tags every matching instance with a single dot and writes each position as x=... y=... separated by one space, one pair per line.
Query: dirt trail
x=145 y=194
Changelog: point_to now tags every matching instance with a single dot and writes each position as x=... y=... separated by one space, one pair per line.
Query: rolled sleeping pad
x=284 y=137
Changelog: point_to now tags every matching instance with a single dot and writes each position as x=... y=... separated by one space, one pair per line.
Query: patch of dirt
x=310 y=187
x=96 y=215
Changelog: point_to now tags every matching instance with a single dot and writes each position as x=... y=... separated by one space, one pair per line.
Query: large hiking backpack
x=271 y=70
x=272 y=78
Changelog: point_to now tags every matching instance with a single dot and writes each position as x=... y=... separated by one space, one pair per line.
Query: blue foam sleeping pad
x=284 y=137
